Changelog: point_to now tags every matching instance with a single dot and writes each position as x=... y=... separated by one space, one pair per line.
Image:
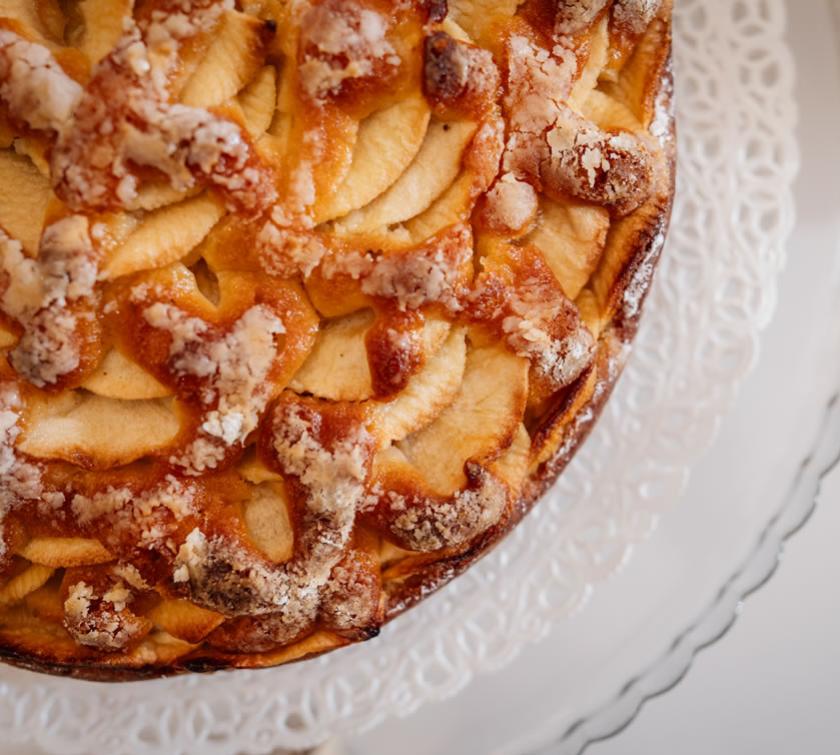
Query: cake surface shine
x=303 y=305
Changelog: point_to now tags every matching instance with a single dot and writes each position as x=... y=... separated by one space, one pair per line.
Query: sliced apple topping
x=482 y=20
x=386 y=144
x=337 y=368
x=24 y=196
x=571 y=238
x=258 y=101
x=432 y=171
x=102 y=26
x=427 y=394
x=119 y=377
x=234 y=59
x=477 y=424
x=184 y=620
x=165 y=236
x=266 y=516
x=64 y=552
x=21 y=585
x=103 y=431
x=599 y=48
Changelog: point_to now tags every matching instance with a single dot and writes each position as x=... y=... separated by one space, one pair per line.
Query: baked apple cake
x=304 y=304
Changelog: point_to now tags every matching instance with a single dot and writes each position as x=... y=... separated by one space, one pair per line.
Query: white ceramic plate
x=714 y=293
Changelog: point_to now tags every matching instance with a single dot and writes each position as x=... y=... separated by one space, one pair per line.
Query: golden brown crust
x=226 y=585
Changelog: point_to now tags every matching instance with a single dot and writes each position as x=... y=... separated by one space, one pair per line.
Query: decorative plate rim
x=720 y=615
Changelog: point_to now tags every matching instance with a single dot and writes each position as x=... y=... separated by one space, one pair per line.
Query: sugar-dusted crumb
x=33 y=85
x=233 y=369
x=39 y=294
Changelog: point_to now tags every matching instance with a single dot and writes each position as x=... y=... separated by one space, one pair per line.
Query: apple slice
x=21 y=585
x=79 y=424
x=234 y=59
x=103 y=26
x=482 y=20
x=427 y=394
x=26 y=13
x=337 y=367
x=609 y=114
x=432 y=171
x=571 y=238
x=387 y=142
x=154 y=194
x=121 y=378
x=479 y=423
x=64 y=552
x=24 y=195
x=267 y=520
x=184 y=620
x=599 y=52
x=165 y=236
x=639 y=81
x=258 y=101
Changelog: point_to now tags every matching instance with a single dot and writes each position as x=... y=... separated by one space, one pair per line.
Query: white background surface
x=772 y=685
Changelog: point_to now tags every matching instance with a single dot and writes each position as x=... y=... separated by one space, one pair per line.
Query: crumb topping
x=152 y=515
x=636 y=15
x=286 y=251
x=549 y=332
x=229 y=578
x=429 y=524
x=33 y=86
x=102 y=621
x=350 y=599
x=458 y=74
x=41 y=295
x=511 y=203
x=432 y=272
x=20 y=481
x=560 y=150
x=232 y=370
x=341 y=41
x=125 y=119
x=573 y=16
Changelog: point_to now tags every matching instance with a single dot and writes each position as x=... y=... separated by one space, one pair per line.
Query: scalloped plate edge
x=719 y=617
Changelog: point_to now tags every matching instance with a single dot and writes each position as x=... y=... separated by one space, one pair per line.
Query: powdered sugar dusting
x=102 y=620
x=20 y=481
x=125 y=119
x=559 y=354
x=432 y=523
x=429 y=273
x=33 y=85
x=152 y=515
x=559 y=149
x=232 y=368
x=225 y=576
x=40 y=293
x=639 y=282
x=635 y=15
x=341 y=41
x=511 y=203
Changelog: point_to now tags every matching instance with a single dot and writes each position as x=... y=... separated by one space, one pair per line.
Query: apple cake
x=303 y=305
